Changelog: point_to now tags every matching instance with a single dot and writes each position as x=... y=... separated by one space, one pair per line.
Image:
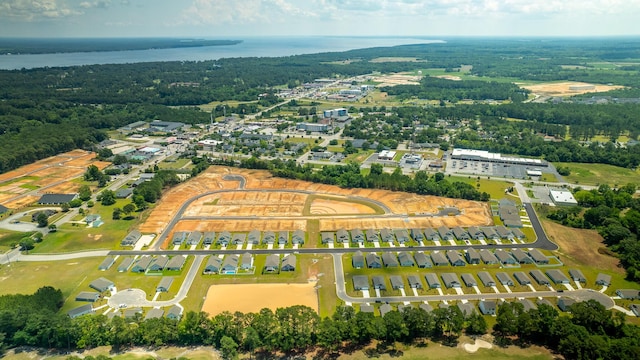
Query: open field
x=254 y=297
x=595 y=174
x=335 y=207
x=568 y=88
x=397 y=79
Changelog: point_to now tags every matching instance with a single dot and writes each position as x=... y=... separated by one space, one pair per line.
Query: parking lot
x=509 y=171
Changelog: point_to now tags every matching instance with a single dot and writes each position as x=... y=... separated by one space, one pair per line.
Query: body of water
x=262 y=47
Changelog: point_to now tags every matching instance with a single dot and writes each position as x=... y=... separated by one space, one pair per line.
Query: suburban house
x=577 y=275
x=124 y=193
x=504 y=279
x=414 y=282
x=426 y=307
x=160 y=263
x=79 y=311
x=229 y=265
x=213 y=265
x=174 y=313
x=93 y=220
x=289 y=263
x=102 y=285
x=540 y=302
x=522 y=278
x=432 y=281
x=431 y=234
x=504 y=257
x=460 y=233
x=402 y=236
x=445 y=233
x=476 y=233
x=490 y=233
x=422 y=260
x=208 y=238
x=283 y=237
x=518 y=234
x=327 y=237
x=357 y=261
x=564 y=303
x=396 y=282
x=194 y=238
x=487 y=307
x=269 y=237
x=438 y=259
x=486 y=279
x=538 y=257
x=509 y=213
x=405 y=259
x=246 y=261
x=379 y=282
x=176 y=263
x=107 y=263
x=557 y=276
x=469 y=280
x=403 y=307
x=371 y=235
x=238 y=239
x=56 y=199
x=488 y=257
x=455 y=258
x=154 y=314
x=224 y=238
x=253 y=237
x=88 y=296
x=521 y=257
x=450 y=280
x=179 y=237
x=47 y=212
x=357 y=236
x=298 y=237
x=373 y=261
x=387 y=235
x=272 y=264
x=125 y=264
x=165 y=284
x=539 y=277
x=342 y=236
x=417 y=235
x=360 y=282
x=131 y=239
x=527 y=304
x=389 y=259
x=384 y=309
x=628 y=294
x=472 y=256
x=603 y=279
x=504 y=233
x=466 y=309
x=364 y=308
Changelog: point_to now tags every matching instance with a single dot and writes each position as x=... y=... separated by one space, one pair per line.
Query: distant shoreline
x=41 y=46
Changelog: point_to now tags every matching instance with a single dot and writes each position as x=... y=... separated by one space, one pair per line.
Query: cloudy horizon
x=245 y=18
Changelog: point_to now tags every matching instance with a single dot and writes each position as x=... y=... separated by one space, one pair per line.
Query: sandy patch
x=397 y=79
x=568 y=88
x=335 y=207
x=477 y=345
x=449 y=77
x=242 y=297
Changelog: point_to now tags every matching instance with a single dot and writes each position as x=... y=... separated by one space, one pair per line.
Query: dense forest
x=590 y=332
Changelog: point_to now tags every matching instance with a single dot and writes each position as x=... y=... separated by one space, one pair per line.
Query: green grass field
x=178 y=164
x=495 y=188
x=595 y=174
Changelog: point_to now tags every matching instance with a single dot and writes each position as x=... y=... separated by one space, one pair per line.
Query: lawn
x=495 y=188
x=8 y=238
x=596 y=174
x=178 y=164
x=548 y=178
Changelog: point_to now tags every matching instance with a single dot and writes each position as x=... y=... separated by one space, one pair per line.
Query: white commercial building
x=562 y=197
x=386 y=155
x=483 y=155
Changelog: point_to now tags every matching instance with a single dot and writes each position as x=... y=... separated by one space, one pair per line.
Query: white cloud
x=33 y=10
x=100 y=4
x=216 y=12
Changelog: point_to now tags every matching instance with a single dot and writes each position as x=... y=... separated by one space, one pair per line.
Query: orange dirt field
x=242 y=297
x=336 y=207
x=279 y=211
x=564 y=88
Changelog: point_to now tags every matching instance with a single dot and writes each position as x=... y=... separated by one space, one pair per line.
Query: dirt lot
x=242 y=297
x=564 y=88
x=241 y=225
x=336 y=207
x=397 y=79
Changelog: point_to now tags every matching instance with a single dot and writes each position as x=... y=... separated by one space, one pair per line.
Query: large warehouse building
x=562 y=197
x=482 y=155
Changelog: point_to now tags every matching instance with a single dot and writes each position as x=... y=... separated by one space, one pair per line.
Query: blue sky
x=240 y=18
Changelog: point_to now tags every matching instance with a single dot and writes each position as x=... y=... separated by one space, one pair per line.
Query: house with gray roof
x=504 y=233
x=504 y=279
x=426 y=307
x=387 y=235
x=389 y=259
x=298 y=237
x=422 y=260
x=486 y=279
x=487 y=307
x=628 y=294
x=417 y=235
x=402 y=236
x=373 y=261
x=125 y=264
x=289 y=263
x=229 y=264
x=208 y=238
x=371 y=235
x=272 y=264
x=603 y=279
x=360 y=282
x=56 y=199
x=432 y=281
x=79 y=311
x=431 y=234
x=357 y=236
x=439 y=259
x=455 y=258
x=101 y=285
x=213 y=265
x=88 y=296
x=364 y=308
x=557 y=276
x=504 y=257
x=522 y=278
x=488 y=257
x=283 y=237
x=176 y=263
x=490 y=233
x=518 y=233
x=154 y=314
x=165 y=284
x=405 y=259
x=541 y=302
x=467 y=309
x=396 y=282
x=384 y=309
x=342 y=236
x=3 y=209
x=253 y=237
x=403 y=307
x=564 y=303
x=538 y=257
x=472 y=256
x=174 y=313
x=357 y=261
x=179 y=237
x=131 y=239
x=460 y=233
x=577 y=275
x=469 y=280
x=527 y=304
x=414 y=282
x=475 y=233
x=160 y=263
x=521 y=257
x=635 y=309
x=539 y=277
x=327 y=237
x=269 y=237
x=379 y=282
x=194 y=238
x=246 y=261
x=107 y=263
x=238 y=238
x=224 y=238
x=450 y=280
x=445 y=233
